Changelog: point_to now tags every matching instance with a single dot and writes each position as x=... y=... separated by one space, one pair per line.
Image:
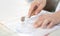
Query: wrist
x=56 y=16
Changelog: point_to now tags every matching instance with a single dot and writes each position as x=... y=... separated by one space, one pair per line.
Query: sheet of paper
x=13 y=22
x=5 y=31
x=27 y=26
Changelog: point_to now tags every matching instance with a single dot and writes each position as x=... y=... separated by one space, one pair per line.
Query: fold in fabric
x=27 y=26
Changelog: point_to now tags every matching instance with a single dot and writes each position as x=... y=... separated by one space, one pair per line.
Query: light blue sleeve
x=29 y=1
x=58 y=7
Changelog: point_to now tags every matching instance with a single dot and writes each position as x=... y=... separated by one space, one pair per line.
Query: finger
x=37 y=10
x=50 y=25
x=39 y=22
x=31 y=9
x=40 y=7
x=33 y=13
x=45 y=23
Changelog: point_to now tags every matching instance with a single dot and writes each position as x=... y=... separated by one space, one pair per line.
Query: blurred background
x=10 y=9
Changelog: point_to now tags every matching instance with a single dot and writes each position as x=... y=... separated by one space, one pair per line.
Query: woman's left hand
x=47 y=20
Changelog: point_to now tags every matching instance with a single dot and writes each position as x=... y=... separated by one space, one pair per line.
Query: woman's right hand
x=36 y=7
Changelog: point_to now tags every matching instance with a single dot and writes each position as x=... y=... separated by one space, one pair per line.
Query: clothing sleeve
x=29 y=1
x=58 y=6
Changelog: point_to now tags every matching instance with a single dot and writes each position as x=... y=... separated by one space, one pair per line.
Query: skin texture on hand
x=48 y=20
x=36 y=7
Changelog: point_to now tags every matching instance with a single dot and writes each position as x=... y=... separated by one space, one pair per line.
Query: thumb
x=32 y=9
x=38 y=10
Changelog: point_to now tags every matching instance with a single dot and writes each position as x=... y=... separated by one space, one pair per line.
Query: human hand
x=36 y=7
x=47 y=20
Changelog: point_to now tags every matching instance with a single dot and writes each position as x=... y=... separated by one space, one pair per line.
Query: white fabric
x=27 y=26
x=14 y=23
x=36 y=32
